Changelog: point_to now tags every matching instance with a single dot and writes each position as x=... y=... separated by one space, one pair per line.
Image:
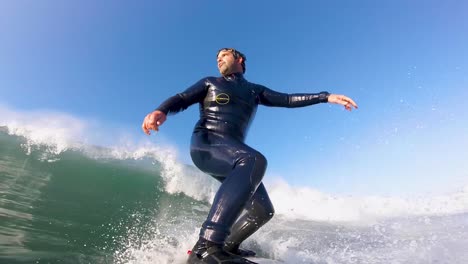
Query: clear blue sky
x=404 y=62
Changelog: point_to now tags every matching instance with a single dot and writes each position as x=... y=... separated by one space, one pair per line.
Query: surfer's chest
x=230 y=94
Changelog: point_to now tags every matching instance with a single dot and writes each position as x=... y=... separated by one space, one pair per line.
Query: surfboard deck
x=264 y=260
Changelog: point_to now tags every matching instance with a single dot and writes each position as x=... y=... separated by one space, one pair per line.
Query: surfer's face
x=227 y=64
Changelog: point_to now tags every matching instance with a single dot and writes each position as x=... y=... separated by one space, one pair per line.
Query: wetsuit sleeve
x=269 y=97
x=181 y=101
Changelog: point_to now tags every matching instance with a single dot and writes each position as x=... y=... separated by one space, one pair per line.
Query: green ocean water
x=76 y=209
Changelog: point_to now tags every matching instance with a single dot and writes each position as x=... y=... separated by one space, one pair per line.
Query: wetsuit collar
x=234 y=76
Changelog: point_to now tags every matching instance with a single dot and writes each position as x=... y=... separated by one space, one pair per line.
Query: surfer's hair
x=236 y=55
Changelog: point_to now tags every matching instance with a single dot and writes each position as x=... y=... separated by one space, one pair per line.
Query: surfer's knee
x=264 y=212
x=257 y=159
x=269 y=213
x=262 y=158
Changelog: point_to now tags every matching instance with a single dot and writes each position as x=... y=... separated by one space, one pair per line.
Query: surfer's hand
x=342 y=100
x=152 y=121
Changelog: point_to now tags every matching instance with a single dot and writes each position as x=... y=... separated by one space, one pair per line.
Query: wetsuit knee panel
x=262 y=210
x=256 y=158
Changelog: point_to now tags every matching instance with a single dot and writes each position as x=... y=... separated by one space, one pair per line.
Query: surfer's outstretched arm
x=269 y=97
x=174 y=104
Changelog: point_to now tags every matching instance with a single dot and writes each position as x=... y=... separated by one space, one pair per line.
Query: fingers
x=146 y=126
x=347 y=102
x=351 y=102
x=152 y=124
x=145 y=130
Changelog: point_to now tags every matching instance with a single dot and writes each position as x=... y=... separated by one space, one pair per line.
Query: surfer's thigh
x=216 y=154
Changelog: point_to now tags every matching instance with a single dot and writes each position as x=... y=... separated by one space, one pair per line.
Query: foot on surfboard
x=206 y=252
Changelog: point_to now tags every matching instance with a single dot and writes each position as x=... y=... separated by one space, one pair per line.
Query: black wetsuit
x=227 y=107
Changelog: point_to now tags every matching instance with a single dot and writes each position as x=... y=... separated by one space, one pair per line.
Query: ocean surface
x=63 y=201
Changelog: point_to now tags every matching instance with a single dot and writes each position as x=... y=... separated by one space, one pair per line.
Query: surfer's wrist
x=323 y=97
x=162 y=110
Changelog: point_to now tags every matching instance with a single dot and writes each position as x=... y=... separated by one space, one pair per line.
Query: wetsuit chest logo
x=222 y=98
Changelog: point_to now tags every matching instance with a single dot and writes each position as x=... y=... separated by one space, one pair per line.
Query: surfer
x=227 y=106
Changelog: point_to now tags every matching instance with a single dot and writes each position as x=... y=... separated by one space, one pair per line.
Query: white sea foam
x=307 y=203
x=56 y=131
x=400 y=240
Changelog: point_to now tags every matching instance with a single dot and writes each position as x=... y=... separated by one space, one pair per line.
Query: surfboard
x=264 y=260
x=256 y=259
